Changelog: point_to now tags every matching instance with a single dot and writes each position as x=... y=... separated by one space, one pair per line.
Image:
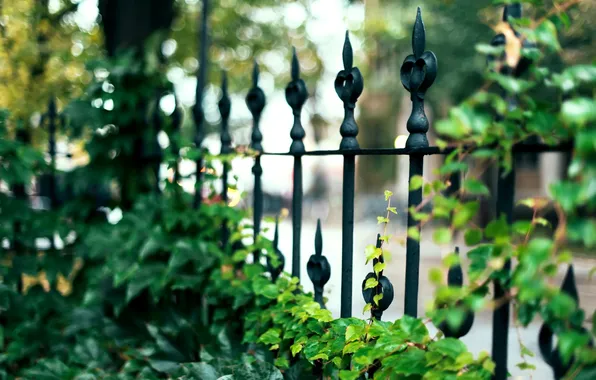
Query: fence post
x=296 y=95
x=348 y=86
x=155 y=155
x=418 y=72
x=255 y=100
x=224 y=106
x=176 y=124
x=199 y=116
x=505 y=205
x=51 y=116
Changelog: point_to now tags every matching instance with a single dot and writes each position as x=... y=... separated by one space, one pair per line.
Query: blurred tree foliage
x=42 y=53
x=453 y=30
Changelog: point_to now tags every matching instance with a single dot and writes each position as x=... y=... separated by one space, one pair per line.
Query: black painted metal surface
x=296 y=95
x=198 y=114
x=224 y=106
x=384 y=287
x=348 y=86
x=255 y=100
x=318 y=267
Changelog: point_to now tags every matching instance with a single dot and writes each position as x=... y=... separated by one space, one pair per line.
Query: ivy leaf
x=414 y=233
x=410 y=362
x=378 y=267
x=388 y=195
x=296 y=348
x=568 y=342
x=282 y=362
x=416 y=182
x=475 y=187
x=392 y=210
x=349 y=375
x=352 y=347
x=578 y=111
x=382 y=219
x=271 y=336
x=371 y=283
x=442 y=235
x=462 y=215
x=546 y=34
x=367 y=307
x=377 y=298
x=473 y=236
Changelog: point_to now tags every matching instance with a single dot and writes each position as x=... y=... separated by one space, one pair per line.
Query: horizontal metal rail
x=432 y=150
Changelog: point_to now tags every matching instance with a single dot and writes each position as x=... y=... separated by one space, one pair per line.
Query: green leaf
x=378 y=267
x=282 y=362
x=296 y=348
x=410 y=362
x=473 y=236
x=546 y=34
x=475 y=187
x=511 y=84
x=371 y=283
x=435 y=276
x=414 y=233
x=442 y=235
x=462 y=215
x=349 y=375
x=392 y=210
x=354 y=332
x=352 y=347
x=416 y=182
x=570 y=341
x=377 y=298
x=150 y=247
x=578 y=111
x=271 y=336
x=388 y=195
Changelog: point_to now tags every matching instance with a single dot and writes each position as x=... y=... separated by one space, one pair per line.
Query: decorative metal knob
x=296 y=95
x=455 y=278
x=418 y=73
x=545 y=337
x=255 y=100
x=384 y=287
x=318 y=267
x=224 y=106
x=348 y=86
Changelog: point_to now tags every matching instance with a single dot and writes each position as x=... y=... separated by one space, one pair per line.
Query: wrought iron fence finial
x=318 y=268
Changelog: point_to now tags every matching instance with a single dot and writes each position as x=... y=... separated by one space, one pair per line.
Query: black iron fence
x=418 y=73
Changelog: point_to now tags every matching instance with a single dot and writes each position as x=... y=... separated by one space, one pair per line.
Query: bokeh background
x=47 y=47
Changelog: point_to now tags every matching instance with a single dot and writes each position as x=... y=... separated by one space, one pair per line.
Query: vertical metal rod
x=348 y=91
x=411 y=73
x=198 y=107
x=224 y=106
x=255 y=100
x=257 y=170
x=296 y=216
x=505 y=199
x=347 y=235
x=413 y=245
x=52 y=116
x=296 y=95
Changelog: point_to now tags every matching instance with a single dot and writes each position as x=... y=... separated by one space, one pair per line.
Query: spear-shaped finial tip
x=379 y=243
x=276 y=233
x=512 y=10
x=418 y=35
x=457 y=251
x=224 y=82
x=318 y=239
x=295 y=65
x=255 y=74
x=348 y=54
